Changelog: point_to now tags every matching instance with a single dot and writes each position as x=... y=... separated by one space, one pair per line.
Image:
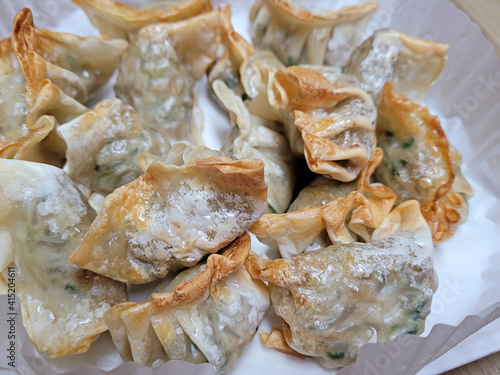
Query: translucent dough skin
x=43 y=219
x=171 y=216
x=332 y=300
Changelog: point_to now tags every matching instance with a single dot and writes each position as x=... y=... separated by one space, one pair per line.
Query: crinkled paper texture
x=466 y=97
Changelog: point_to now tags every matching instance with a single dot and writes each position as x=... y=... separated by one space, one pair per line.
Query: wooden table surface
x=486 y=13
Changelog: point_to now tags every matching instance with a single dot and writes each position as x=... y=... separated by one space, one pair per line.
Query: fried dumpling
x=353 y=293
x=104 y=144
x=117 y=20
x=32 y=105
x=333 y=126
x=251 y=138
x=337 y=213
x=91 y=60
x=299 y=36
x=417 y=161
x=177 y=211
x=44 y=218
x=163 y=63
x=411 y=64
x=209 y=312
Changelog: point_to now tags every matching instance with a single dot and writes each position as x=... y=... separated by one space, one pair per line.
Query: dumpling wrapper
x=209 y=312
x=44 y=218
x=333 y=126
x=251 y=138
x=417 y=161
x=257 y=74
x=104 y=144
x=299 y=36
x=117 y=20
x=173 y=214
x=163 y=63
x=32 y=105
x=411 y=64
x=341 y=219
x=90 y=61
x=455 y=201
x=334 y=300
x=235 y=53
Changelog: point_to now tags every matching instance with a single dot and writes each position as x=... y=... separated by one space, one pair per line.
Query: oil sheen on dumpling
x=177 y=211
x=300 y=36
x=410 y=63
x=43 y=219
x=334 y=300
x=209 y=312
x=104 y=144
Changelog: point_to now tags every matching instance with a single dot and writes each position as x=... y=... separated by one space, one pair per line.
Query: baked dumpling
x=209 y=312
x=333 y=126
x=117 y=20
x=43 y=219
x=104 y=144
x=252 y=137
x=299 y=36
x=417 y=161
x=411 y=64
x=334 y=300
x=190 y=205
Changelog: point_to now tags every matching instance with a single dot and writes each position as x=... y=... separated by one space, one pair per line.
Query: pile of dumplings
x=330 y=161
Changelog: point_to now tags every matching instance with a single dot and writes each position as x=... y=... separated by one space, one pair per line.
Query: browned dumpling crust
x=333 y=126
x=417 y=161
x=173 y=215
x=52 y=74
x=33 y=104
x=72 y=60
